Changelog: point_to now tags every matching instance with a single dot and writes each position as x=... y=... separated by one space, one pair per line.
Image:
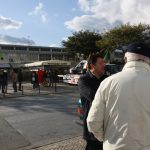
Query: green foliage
x=86 y=42
x=121 y=36
x=82 y=42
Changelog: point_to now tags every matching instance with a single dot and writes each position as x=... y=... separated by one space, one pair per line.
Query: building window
x=45 y=49
x=21 y=48
x=56 y=50
x=7 y=48
x=33 y=49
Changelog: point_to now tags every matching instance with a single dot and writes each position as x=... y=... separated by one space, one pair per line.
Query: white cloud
x=53 y=45
x=64 y=38
x=44 y=17
x=84 y=5
x=100 y=14
x=39 y=11
x=6 y=39
x=8 y=23
x=90 y=22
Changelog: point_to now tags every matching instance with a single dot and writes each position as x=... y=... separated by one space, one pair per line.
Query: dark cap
x=138 y=48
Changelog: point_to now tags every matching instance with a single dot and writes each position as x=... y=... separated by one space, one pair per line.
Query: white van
x=81 y=68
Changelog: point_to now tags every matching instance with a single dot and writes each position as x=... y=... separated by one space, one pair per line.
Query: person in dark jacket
x=1 y=78
x=51 y=78
x=34 y=79
x=88 y=85
x=5 y=81
x=55 y=78
x=20 y=79
x=14 y=77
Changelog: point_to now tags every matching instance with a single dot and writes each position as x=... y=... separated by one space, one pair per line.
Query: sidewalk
x=76 y=143
x=29 y=91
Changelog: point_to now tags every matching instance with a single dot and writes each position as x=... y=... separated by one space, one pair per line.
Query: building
x=16 y=55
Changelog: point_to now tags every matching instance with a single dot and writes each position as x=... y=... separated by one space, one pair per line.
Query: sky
x=48 y=22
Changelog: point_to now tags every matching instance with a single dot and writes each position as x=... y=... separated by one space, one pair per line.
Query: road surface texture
x=41 y=121
x=76 y=143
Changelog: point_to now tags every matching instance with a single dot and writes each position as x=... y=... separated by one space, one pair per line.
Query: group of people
x=117 y=108
x=17 y=77
x=46 y=78
x=14 y=75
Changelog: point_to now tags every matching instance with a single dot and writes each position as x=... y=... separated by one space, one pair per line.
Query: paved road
x=76 y=143
x=38 y=120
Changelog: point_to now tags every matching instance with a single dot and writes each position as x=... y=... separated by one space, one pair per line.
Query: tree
x=83 y=42
x=122 y=36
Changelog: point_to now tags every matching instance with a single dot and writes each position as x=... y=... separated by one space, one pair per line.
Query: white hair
x=136 y=57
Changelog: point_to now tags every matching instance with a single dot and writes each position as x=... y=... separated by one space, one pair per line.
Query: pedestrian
x=120 y=113
x=20 y=79
x=40 y=76
x=51 y=78
x=1 y=78
x=34 y=79
x=45 y=82
x=48 y=77
x=88 y=85
x=14 y=79
x=55 y=76
x=5 y=81
x=45 y=75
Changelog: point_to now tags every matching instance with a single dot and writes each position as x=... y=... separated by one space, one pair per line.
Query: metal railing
x=28 y=90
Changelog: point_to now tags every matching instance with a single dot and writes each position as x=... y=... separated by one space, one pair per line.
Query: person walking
x=5 y=81
x=34 y=79
x=51 y=78
x=20 y=79
x=14 y=79
x=88 y=85
x=120 y=113
x=48 y=77
x=45 y=81
x=1 y=78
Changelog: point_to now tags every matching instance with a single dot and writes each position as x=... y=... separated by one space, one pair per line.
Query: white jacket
x=120 y=113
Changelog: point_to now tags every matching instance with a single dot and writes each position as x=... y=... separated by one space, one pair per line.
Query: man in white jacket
x=120 y=112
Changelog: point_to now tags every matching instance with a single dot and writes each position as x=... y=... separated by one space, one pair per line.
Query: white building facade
x=22 y=54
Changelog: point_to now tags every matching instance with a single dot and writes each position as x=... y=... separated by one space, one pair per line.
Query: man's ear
x=92 y=66
x=125 y=59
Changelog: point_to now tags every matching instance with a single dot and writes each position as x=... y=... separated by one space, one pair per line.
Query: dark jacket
x=20 y=77
x=35 y=76
x=88 y=85
x=5 y=78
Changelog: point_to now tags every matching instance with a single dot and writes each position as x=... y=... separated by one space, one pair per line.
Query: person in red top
x=40 y=76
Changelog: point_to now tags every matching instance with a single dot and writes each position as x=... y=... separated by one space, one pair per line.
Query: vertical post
x=55 y=87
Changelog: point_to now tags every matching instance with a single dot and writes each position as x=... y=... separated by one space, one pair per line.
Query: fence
x=28 y=90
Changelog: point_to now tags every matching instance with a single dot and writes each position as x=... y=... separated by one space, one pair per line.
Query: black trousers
x=20 y=86
x=15 y=86
x=94 y=145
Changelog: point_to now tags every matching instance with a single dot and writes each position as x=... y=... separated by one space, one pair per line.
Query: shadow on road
x=65 y=103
